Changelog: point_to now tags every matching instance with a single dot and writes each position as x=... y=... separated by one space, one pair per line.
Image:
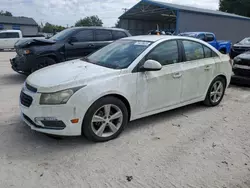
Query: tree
x=89 y=21
x=6 y=13
x=118 y=24
x=240 y=7
x=50 y=28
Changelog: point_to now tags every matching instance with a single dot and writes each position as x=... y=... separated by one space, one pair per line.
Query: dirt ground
x=191 y=147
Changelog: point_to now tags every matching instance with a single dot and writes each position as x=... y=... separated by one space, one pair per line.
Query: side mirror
x=151 y=65
x=72 y=40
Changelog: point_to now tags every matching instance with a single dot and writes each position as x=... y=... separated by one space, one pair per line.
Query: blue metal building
x=148 y=14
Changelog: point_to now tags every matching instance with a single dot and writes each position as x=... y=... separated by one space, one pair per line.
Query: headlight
x=237 y=59
x=60 y=97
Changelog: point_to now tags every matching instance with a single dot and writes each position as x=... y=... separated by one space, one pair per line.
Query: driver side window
x=165 y=53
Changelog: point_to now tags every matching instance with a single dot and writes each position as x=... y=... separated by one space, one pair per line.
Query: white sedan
x=129 y=79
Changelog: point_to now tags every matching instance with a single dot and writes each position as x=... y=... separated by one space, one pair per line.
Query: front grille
x=25 y=100
x=241 y=72
x=31 y=88
x=243 y=62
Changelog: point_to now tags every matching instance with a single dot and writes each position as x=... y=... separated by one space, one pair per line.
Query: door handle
x=177 y=75
x=207 y=67
x=91 y=45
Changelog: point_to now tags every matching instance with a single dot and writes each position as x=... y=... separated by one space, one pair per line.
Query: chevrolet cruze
x=129 y=79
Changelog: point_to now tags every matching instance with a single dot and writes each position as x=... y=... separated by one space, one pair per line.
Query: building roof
x=188 y=9
x=17 y=20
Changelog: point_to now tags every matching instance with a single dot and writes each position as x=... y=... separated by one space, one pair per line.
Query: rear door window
x=193 y=50
x=209 y=37
x=118 y=35
x=85 y=35
x=12 y=35
x=103 y=35
x=165 y=53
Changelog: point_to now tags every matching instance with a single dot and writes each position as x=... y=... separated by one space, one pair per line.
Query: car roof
x=17 y=31
x=154 y=38
x=150 y=38
x=95 y=27
x=198 y=32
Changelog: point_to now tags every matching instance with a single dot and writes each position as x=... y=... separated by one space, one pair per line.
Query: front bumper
x=23 y=64
x=242 y=80
x=60 y=115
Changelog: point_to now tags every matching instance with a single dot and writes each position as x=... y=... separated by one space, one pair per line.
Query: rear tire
x=215 y=92
x=105 y=119
x=43 y=62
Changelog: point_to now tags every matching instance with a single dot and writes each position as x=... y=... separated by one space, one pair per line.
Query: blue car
x=223 y=46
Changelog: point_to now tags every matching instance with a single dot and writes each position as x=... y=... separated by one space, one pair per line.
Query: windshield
x=245 y=41
x=119 y=54
x=62 y=35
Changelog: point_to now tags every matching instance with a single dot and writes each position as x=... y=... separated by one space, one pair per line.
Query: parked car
x=69 y=44
x=241 y=69
x=240 y=47
x=126 y=80
x=8 y=38
x=223 y=46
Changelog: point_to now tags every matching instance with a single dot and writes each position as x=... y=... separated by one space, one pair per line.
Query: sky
x=67 y=12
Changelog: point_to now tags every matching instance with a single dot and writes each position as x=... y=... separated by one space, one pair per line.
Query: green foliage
x=240 y=7
x=6 y=13
x=118 y=24
x=50 y=28
x=89 y=21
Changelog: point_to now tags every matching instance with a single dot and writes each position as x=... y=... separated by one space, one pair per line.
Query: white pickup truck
x=8 y=38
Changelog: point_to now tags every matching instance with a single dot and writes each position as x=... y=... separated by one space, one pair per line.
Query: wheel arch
x=219 y=75
x=118 y=96
x=50 y=55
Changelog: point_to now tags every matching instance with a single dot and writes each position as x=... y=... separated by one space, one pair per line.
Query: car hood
x=24 y=43
x=69 y=74
x=241 y=45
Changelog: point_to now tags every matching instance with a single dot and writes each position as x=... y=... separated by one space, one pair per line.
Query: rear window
x=118 y=35
x=12 y=35
x=103 y=35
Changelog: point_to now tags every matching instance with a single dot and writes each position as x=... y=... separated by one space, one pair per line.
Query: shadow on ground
x=32 y=144
x=14 y=78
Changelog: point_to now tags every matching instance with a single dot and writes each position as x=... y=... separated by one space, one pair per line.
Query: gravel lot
x=190 y=147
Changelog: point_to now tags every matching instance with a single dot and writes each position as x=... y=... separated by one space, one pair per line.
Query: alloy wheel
x=107 y=120
x=216 y=91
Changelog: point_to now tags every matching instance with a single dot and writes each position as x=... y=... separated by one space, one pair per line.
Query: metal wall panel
x=225 y=28
x=26 y=30
x=141 y=27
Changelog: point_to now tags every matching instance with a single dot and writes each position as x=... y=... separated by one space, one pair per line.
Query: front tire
x=215 y=92
x=105 y=119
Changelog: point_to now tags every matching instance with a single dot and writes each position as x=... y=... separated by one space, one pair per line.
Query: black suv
x=72 y=43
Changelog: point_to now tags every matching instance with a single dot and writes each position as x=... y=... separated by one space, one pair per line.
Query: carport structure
x=149 y=15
